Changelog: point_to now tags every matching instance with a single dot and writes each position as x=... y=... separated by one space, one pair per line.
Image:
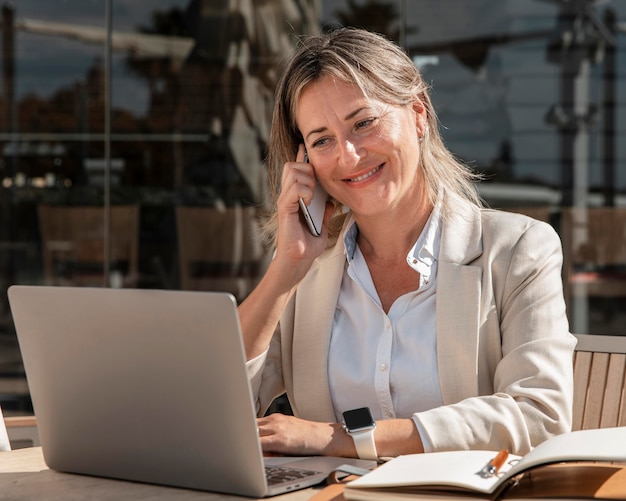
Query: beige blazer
x=503 y=343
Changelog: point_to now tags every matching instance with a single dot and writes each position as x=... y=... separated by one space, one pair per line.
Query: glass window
x=531 y=96
x=133 y=156
x=133 y=137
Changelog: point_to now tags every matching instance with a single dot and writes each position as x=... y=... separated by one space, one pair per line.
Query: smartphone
x=314 y=212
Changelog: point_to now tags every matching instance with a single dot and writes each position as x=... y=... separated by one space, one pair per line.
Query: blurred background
x=133 y=135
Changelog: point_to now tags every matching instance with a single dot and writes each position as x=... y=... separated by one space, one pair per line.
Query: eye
x=320 y=142
x=364 y=124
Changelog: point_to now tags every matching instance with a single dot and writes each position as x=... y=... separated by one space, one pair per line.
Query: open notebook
x=147 y=385
x=455 y=474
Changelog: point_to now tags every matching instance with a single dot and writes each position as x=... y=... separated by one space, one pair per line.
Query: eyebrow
x=350 y=115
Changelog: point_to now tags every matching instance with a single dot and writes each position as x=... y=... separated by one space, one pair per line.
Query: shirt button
x=414 y=261
x=383 y=367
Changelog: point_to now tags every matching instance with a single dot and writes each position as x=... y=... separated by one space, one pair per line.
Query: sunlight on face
x=365 y=152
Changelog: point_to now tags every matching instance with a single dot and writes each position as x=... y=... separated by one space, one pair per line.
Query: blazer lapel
x=314 y=313
x=458 y=304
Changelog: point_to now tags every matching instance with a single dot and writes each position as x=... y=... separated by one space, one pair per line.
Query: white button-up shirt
x=387 y=362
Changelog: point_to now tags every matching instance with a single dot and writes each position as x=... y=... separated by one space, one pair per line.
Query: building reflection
x=192 y=84
x=192 y=92
x=209 y=71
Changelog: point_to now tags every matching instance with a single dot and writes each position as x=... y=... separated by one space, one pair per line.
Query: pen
x=493 y=466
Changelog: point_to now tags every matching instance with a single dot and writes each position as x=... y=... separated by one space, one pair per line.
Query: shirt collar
x=424 y=252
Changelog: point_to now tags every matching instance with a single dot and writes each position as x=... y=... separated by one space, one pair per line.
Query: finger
x=301 y=155
x=295 y=173
x=301 y=158
x=298 y=182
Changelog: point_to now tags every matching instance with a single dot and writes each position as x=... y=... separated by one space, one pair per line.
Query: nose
x=349 y=153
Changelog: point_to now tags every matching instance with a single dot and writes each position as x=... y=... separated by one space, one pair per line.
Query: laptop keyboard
x=280 y=474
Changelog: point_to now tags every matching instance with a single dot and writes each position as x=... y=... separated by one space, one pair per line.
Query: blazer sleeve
x=524 y=349
x=266 y=376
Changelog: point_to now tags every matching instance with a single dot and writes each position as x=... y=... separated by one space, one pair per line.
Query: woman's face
x=365 y=152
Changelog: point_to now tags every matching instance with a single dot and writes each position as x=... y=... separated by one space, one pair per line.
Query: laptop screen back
x=143 y=385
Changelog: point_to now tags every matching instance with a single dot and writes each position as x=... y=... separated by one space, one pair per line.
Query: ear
x=421 y=118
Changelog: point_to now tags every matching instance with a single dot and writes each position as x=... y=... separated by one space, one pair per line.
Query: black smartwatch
x=360 y=425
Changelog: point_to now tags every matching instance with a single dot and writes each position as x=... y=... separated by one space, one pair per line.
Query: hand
x=296 y=250
x=295 y=244
x=288 y=435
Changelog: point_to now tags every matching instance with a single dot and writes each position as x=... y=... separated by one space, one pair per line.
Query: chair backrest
x=599 y=382
x=218 y=249
x=74 y=247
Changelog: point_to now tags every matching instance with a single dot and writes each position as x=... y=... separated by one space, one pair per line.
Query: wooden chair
x=218 y=249
x=599 y=382
x=74 y=247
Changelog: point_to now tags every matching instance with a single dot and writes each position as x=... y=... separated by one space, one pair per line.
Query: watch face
x=357 y=419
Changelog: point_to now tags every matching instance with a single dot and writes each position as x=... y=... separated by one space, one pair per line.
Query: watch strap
x=365 y=444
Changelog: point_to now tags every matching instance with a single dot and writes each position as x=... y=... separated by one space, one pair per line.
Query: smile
x=364 y=176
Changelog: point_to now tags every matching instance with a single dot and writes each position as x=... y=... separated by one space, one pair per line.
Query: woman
x=445 y=319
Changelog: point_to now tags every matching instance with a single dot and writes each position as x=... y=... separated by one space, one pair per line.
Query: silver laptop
x=149 y=386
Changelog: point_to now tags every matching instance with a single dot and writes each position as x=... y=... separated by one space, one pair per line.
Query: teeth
x=365 y=176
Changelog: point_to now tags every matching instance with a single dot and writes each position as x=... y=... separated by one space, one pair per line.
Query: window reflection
x=595 y=268
x=192 y=94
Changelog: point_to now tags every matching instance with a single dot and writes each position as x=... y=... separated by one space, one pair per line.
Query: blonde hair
x=384 y=72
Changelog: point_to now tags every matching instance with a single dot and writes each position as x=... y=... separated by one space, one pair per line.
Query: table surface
x=25 y=476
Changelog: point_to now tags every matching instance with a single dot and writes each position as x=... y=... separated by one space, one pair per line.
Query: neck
x=389 y=237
